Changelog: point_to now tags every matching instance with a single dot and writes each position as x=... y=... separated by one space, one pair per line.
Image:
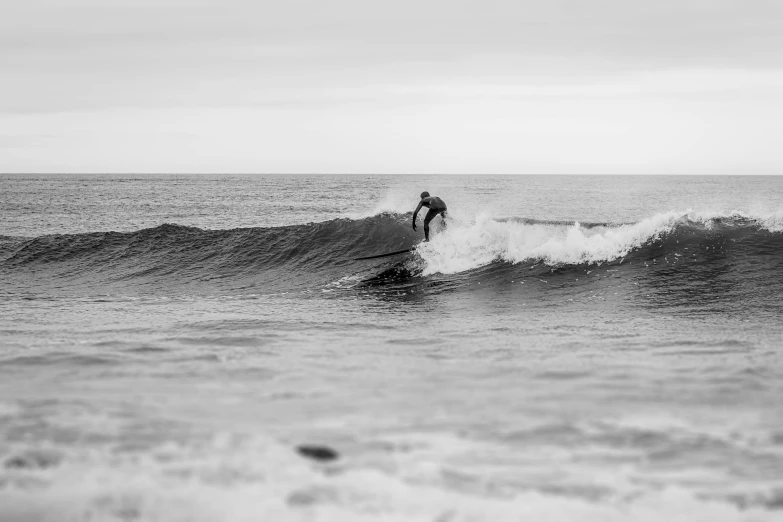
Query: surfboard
x=384 y=255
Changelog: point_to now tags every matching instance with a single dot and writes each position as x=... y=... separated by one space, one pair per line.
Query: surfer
x=436 y=206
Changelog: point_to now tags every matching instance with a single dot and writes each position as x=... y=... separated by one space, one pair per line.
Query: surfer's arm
x=415 y=212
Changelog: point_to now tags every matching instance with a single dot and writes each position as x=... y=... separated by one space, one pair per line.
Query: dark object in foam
x=317 y=452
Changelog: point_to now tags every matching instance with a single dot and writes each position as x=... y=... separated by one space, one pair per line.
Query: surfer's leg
x=443 y=218
x=430 y=215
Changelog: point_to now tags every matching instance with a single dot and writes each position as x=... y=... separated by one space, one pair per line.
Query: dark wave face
x=669 y=260
x=172 y=258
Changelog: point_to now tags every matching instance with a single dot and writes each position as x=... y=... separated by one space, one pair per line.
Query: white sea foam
x=773 y=221
x=240 y=479
x=767 y=220
x=467 y=246
x=461 y=248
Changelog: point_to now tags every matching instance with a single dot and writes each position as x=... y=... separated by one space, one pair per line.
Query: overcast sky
x=505 y=86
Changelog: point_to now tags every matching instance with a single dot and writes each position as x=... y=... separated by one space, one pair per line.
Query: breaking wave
x=316 y=254
x=573 y=243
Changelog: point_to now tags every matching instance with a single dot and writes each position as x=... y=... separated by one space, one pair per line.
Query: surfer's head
x=425 y=194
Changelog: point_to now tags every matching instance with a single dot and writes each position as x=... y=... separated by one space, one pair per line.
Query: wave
x=486 y=240
x=169 y=254
x=317 y=254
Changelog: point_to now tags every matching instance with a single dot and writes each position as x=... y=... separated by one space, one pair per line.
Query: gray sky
x=673 y=86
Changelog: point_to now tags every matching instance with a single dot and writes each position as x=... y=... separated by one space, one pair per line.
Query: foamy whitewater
x=564 y=348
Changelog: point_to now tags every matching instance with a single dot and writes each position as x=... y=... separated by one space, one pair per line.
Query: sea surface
x=566 y=348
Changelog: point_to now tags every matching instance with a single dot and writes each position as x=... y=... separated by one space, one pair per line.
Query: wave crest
x=462 y=248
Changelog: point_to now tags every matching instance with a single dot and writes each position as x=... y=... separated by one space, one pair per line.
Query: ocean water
x=577 y=348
